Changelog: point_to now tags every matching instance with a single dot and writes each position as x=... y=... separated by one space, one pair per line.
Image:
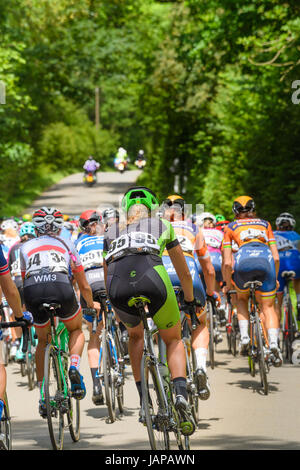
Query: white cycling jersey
x=213 y=238
x=50 y=255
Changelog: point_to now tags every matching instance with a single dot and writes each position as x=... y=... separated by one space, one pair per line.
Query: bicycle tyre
x=73 y=417
x=108 y=377
x=196 y=399
x=120 y=387
x=5 y=426
x=291 y=331
x=211 y=345
x=261 y=356
x=157 y=431
x=30 y=369
x=54 y=411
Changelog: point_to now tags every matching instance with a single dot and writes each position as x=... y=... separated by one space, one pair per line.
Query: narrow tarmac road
x=236 y=416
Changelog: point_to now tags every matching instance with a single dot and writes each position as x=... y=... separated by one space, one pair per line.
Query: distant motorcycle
x=140 y=164
x=121 y=167
x=90 y=178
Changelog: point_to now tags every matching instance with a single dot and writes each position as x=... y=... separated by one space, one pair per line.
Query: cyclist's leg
x=2 y=384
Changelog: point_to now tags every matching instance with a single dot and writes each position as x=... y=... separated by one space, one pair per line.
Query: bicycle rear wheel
x=121 y=378
x=211 y=345
x=261 y=355
x=108 y=376
x=53 y=398
x=73 y=416
x=154 y=406
x=30 y=367
x=5 y=427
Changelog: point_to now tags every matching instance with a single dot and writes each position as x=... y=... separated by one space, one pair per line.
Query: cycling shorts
x=95 y=278
x=50 y=288
x=216 y=259
x=289 y=261
x=142 y=275
x=255 y=262
x=199 y=292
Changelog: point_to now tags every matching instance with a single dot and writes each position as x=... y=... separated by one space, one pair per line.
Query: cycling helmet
x=219 y=217
x=48 y=219
x=110 y=213
x=174 y=199
x=28 y=228
x=141 y=153
x=205 y=215
x=285 y=219
x=89 y=216
x=243 y=204
x=27 y=217
x=9 y=224
x=139 y=195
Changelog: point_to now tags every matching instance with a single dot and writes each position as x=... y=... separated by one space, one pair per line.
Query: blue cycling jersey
x=90 y=249
x=287 y=240
x=3 y=263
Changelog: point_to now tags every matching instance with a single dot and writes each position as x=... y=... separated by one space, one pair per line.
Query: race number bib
x=134 y=241
x=51 y=260
x=92 y=258
x=185 y=243
x=283 y=244
x=252 y=233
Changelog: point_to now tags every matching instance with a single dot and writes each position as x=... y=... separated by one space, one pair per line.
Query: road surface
x=236 y=416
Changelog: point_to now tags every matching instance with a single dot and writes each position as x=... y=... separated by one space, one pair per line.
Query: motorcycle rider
x=91 y=166
x=121 y=157
x=140 y=159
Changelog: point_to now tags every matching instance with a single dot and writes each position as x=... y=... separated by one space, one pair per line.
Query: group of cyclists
x=148 y=248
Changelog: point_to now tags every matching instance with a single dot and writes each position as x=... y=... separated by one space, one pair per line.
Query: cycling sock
x=180 y=386
x=273 y=335
x=243 y=324
x=1 y=408
x=139 y=389
x=75 y=361
x=96 y=379
x=201 y=355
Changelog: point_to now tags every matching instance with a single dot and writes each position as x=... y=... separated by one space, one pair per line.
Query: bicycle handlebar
x=25 y=329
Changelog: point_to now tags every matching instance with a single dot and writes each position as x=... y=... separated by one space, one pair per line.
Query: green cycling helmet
x=139 y=195
x=220 y=218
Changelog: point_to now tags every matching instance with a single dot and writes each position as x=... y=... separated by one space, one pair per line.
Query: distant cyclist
x=110 y=216
x=46 y=265
x=288 y=245
x=257 y=259
x=90 y=249
x=133 y=266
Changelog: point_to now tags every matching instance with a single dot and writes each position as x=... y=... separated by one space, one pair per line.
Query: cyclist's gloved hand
x=216 y=297
x=27 y=317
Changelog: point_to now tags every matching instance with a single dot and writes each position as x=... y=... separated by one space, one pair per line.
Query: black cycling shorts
x=50 y=288
x=142 y=275
x=95 y=278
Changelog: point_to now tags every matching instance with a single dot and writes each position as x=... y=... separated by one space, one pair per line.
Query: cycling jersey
x=3 y=263
x=213 y=239
x=14 y=260
x=90 y=249
x=133 y=255
x=288 y=243
x=243 y=231
x=45 y=255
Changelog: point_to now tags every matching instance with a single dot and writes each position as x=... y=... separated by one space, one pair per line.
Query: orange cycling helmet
x=243 y=204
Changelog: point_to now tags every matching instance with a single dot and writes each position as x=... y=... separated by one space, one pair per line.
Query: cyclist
x=13 y=298
x=133 y=266
x=191 y=240
x=46 y=263
x=27 y=231
x=90 y=249
x=257 y=259
x=288 y=245
x=110 y=216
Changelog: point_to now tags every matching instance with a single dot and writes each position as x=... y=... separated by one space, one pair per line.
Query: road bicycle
x=158 y=411
x=258 y=353
x=232 y=325
x=5 y=422
x=27 y=364
x=7 y=333
x=289 y=325
x=213 y=328
x=60 y=401
x=111 y=365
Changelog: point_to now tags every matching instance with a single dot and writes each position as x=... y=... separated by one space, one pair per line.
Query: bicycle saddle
x=286 y=274
x=252 y=284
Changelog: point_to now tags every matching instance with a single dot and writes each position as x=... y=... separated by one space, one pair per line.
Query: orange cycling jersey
x=191 y=239
x=244 y=231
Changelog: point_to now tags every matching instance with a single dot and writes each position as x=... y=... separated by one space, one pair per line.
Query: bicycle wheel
x=195 y=399
x=154 y=406
x=211 y=345
x=108 y=376
x=5 y=427
x=260 y=355
x=53 y=398
x=30 y=366
x=73 y=417
x=121 y=371
x=234 y=335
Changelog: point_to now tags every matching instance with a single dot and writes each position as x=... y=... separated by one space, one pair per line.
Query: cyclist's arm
x=84 y=287
x=11 y=294
x=205 y=262
x=273 y=248
x=183 y=272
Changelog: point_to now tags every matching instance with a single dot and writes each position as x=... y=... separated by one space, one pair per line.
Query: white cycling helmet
x=48 y=219
x=202 y=217
x=284 y=218
x=9 y=224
